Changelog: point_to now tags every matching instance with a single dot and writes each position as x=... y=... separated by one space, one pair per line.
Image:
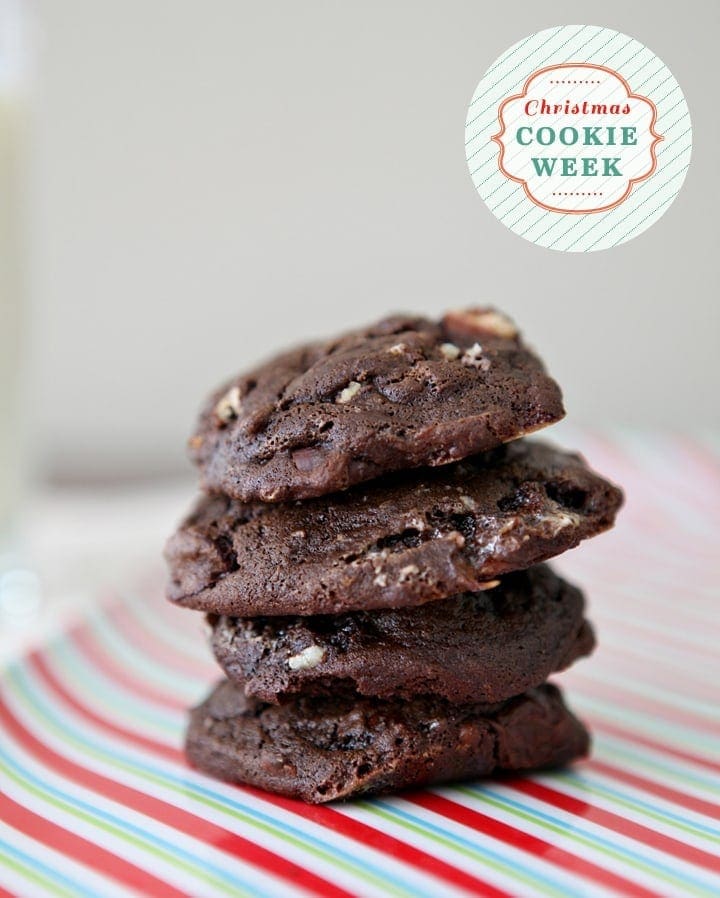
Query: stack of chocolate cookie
x=369 y=553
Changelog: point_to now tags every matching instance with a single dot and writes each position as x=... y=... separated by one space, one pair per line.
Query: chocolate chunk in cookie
x=475 y=647
x=324 y=748
x=406 y=539
x=402 y=393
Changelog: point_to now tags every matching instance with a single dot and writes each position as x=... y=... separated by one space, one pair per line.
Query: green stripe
x=598 y=790
x=191 y=644
x=32 y=874
x=622 y=753
x=568 y=832
x=655 y=211
x=537 y=65
x=448 y=842
x=645 y=724
x=668 y=697
x=136 y=659
x=639 y=190
x=118 y=832
x=647 y=61
x=636 y=87
x=156 y=719
x=357 y=869
x=628 y=803
x=504 y=59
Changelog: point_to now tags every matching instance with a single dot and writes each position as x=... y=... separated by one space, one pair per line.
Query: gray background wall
x=213 y=179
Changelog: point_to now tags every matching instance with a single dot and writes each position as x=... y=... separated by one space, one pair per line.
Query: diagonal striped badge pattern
x=646 y=75
x=97 y=800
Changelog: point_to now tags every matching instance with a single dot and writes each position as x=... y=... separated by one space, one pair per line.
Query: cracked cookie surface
x=401 y=393
x=325 y=748
x=408 y=538
x=476 y=647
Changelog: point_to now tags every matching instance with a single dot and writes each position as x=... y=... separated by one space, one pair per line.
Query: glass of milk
x=18 y=595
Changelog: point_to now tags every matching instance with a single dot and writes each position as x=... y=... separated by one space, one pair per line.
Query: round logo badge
x=578 y=138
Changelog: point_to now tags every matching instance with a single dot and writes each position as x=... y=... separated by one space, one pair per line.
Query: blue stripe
x=651 y=862
x=131 y=654
x=172 y=849
x=702 y=828
x=616 y=745
x=18 y=675
x=158 y=718
x=34 y=863
x=510 y=865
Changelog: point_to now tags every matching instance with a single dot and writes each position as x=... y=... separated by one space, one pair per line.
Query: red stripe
x=326 y=816
x=352 y=829
x=704 y=457
x=102 y=659
x=624 y=647
x=667 y=793
x=38 y=661
x=641 y=833
x=647 y=633
x=87 y=853
x=655 y=708
x=701 y=487
x=528 y=843
x=674 y=673
x=678 y=798
x=609 y=820
x=169 y=655
x=615 y=823
x=661 y=747
x=170 y=619
x=183 y=821
x=623 y=826
x=646 y=515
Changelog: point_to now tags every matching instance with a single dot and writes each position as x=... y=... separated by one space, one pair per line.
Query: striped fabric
x=96 y=799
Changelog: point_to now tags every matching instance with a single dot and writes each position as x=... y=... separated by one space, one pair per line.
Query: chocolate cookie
x=321 y=749
x=402 y=393
x=476 y=647
x=403 y=540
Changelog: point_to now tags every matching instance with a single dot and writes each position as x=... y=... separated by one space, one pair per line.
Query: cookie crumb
x=450 y=351
x=397 y=349
x=408 y=571
x=380 y=580
x=352 y=389
x=474 y=358
x=230 y=406
x=307 y=658
x=560 y=520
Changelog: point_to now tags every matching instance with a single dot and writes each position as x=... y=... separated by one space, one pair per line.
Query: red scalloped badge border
x=631 y=183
